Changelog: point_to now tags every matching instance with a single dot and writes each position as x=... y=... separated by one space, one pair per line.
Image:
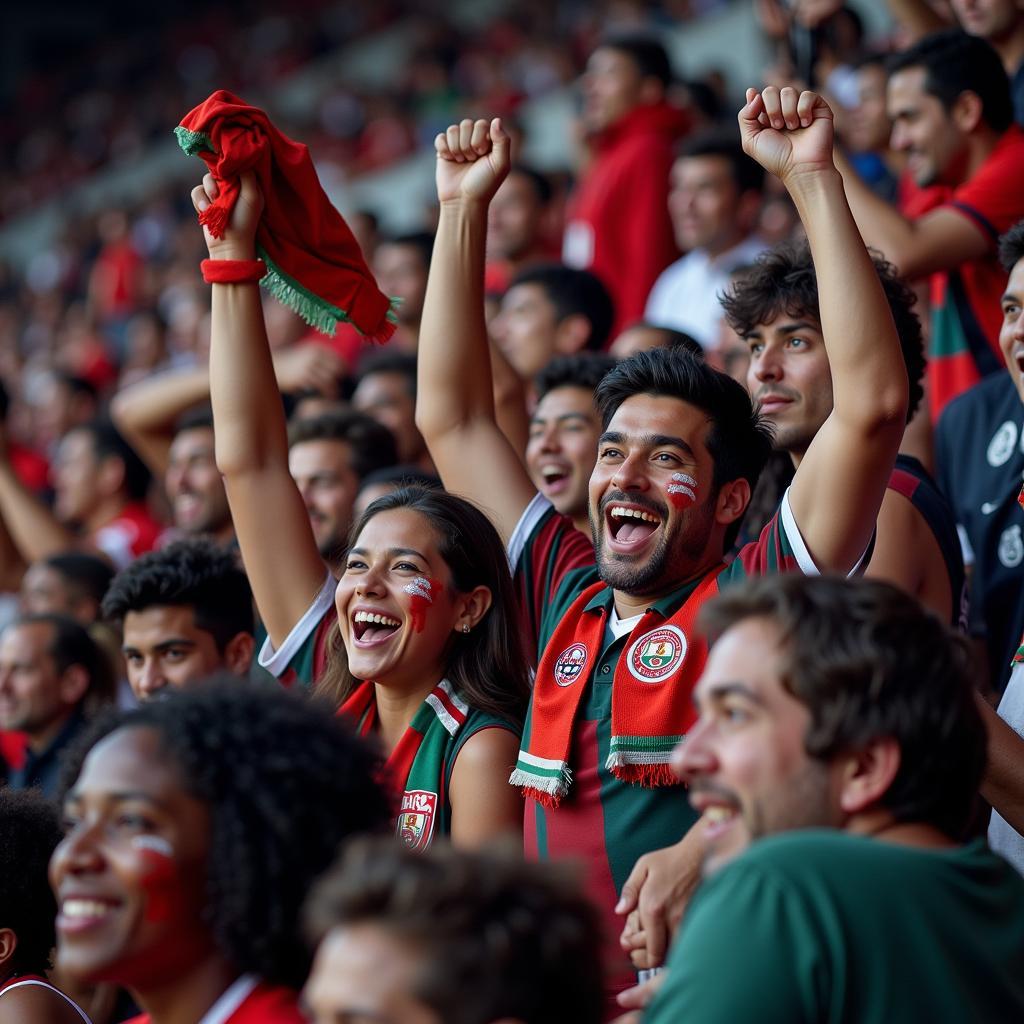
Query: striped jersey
x=604 y=822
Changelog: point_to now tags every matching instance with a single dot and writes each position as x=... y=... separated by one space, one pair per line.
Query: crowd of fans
x=634 y=635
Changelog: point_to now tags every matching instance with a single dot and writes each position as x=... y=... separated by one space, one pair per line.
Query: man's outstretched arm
x=941 y=239
x=838 y=488
x=250 y=435
x=455 y=404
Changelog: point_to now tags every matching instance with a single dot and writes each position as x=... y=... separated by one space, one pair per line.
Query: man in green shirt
x=836 y=761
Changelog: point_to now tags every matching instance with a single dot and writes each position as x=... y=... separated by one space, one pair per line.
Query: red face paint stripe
x=682 y=490
x=421 y=596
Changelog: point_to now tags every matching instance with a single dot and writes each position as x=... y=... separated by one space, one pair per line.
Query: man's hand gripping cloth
x=314 y=264
x=652 y=691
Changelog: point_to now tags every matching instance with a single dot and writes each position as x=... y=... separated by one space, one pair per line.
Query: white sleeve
x=532 y=515
x=276 y=661
x=787 y=521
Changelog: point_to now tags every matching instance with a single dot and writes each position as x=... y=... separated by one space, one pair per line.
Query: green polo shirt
x=821 y=927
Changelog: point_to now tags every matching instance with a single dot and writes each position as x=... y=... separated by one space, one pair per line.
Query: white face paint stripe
x=155 y=844
x=683 y=483
x=420 y=587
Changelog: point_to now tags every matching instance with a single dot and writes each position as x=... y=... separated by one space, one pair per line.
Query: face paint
x=421 y=593
x=682 y=490
x=161 y=878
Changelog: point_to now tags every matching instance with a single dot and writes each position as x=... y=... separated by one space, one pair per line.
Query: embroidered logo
x=656 y=655
x=1011 y=547
x=416 y=820
x=569 y=665
x=1000 y=448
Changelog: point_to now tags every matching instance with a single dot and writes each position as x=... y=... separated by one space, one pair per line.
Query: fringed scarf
x=314 y=264
x=416 y=767
x=651 y=695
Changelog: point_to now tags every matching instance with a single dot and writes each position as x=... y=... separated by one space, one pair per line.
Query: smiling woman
x=179 y=876
x=435 y=668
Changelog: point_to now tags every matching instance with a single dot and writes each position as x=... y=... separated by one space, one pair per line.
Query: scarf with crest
x=651 y=695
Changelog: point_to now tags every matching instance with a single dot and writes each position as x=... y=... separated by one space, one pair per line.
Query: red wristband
x=233 y=271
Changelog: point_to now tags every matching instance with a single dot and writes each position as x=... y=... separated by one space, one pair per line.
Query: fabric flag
x=314 y=264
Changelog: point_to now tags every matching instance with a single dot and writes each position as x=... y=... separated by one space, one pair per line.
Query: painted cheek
x=421 y=596
x=160 y=877
x=682 y=490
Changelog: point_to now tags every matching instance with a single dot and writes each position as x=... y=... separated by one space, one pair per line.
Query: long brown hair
x=487 y=667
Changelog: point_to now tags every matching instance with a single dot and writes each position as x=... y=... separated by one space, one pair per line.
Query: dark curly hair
x=195 y=573
x=487 y=666
x=868 y=662
x=498 y=937
x=1011 y=247
x=285 y=781
x=30 y=831
x=782 y=281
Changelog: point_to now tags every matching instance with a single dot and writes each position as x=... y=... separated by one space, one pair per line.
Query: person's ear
x=8 y=944
x=238 y=653
x=732 y=502
x=867 y=774
x=572 y=334
x=967 y=111
x=471 y=608
x=74 y=684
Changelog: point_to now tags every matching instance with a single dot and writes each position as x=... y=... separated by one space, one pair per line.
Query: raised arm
x=32 y=527
x=838 y=488
x=251 y=442
x=939 y=240
x=146 y=412
x=455 y=405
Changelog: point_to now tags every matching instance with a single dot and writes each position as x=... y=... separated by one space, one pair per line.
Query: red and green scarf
x=415 y=770
x=651 y=695
x=314 y=264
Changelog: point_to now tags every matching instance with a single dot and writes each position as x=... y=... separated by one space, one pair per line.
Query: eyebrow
x=74 y=796
x=790 y=328
x=1008 y=297
x=560 y=418
x=720 y=691
x=174 y=641
x=648 y=441
x=392 y=552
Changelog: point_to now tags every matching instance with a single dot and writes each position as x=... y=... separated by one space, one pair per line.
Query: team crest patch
x=569 y=665
x=416 y=819
x=656 y=655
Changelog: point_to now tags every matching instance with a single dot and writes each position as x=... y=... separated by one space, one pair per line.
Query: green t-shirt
x=823 y=927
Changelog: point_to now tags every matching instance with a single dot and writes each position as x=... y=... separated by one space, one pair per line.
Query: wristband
x=233 y=271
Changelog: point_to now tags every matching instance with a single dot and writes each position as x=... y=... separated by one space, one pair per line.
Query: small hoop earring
x=465 y=627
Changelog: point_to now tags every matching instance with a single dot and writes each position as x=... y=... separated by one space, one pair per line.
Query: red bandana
x=314 y=264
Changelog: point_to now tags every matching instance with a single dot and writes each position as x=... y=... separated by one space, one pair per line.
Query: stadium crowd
x=603 y=604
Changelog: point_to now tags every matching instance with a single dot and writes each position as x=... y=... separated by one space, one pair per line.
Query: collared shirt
x=42 y=771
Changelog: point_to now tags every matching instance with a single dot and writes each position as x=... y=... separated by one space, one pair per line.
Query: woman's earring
x=465 y=627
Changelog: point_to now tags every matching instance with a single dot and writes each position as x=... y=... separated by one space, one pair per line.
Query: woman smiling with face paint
x=435 y=668
x=195 y=825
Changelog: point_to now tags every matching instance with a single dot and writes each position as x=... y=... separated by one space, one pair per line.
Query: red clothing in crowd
x=966 y=309
x=132 y=533
x=618 y=225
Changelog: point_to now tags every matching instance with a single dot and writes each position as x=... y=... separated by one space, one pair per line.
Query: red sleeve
x=993 y=198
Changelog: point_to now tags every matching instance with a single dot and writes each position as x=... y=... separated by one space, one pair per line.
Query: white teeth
x=624 y=513
x=550 y=472
x=83 y=908
x=373 y=617
x=716 y=815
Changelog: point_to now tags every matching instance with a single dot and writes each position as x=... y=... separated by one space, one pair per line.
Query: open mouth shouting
x=371 y=628
x=630 y=526
x=555 y=477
